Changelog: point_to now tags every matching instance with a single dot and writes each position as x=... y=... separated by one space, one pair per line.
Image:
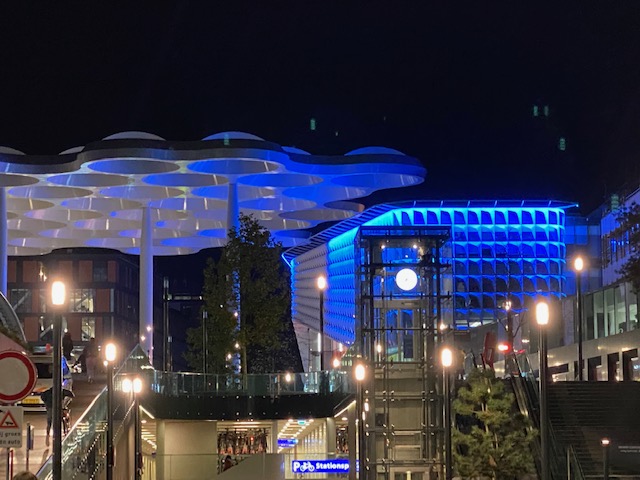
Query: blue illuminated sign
x=338 y=465
x=287 y=442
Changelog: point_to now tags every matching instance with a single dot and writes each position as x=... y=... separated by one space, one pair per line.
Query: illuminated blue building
x=497 y=251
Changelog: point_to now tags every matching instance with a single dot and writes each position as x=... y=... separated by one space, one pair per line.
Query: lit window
x=82 y=300
x=88 y=328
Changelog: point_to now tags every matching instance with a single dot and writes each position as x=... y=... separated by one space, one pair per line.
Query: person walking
x=67 y=346
x=91 y=358
x=47 y=398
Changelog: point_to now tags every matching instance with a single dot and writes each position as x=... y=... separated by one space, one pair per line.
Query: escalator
x=563 y=461
x=10 y=322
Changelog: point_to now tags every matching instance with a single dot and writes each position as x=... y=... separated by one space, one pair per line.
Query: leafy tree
x=247 y=300
x=219 y=323
x=629 y=220
x=492 y=439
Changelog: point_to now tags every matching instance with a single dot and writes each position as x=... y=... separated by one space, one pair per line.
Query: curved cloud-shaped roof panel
x=141 y=192
x=278 y=203
x=64 y=215
x=46 y=192
x=185 y=180
x=374 y=151
x=94 y=195
x=234 y=166
x=378 y=181
x=245 y=192
x=233 y=136
x=20 y=205
x=13 y=180
x=157 y=214
x=319 y=215
x=296 y=150
x=100 y=204
x=88 y=180
x=133 y=135
x=132 y=166
x=280 y=180
x=324 y=194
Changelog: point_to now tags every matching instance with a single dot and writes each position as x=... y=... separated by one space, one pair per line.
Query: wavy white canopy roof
x=93 y=195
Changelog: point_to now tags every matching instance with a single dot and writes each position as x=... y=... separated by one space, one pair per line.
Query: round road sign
x=18 y=376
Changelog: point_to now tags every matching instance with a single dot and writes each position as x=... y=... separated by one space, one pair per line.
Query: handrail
x=85 y=435
x=528 y=395
x=573 y=463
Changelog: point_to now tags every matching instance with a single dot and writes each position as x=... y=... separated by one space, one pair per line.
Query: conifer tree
x=492 y=438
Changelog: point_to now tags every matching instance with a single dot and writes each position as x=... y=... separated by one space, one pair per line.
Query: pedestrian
x=67 y=346
x=91 y=358
x=24 y=476
x=47 y=398
x=227 y=463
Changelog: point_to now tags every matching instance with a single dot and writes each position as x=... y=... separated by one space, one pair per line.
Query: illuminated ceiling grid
x=93 y=196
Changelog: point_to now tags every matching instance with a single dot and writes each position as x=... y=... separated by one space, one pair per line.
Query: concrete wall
x=187 y=449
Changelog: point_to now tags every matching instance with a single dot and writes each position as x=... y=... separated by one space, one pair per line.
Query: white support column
x=233 y=210
x=4 y=260
x=146 y=284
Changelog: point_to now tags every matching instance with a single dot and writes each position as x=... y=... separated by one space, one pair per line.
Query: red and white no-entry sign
x=18 y=376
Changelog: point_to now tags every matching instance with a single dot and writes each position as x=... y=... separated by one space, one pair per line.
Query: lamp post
x=360 y=375
x=542 y=319
x=605 y=442
x=134 y=386
x=508 y=361
x=322 y=285
x=578 y=266
x=446 y=360
x=58 y=299
x=110 y=353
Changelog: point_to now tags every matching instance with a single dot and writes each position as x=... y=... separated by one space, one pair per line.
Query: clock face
x=406 y=279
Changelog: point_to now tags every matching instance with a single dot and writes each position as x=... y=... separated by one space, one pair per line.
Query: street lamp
x=578 y=266
x=110 y=353
x=446 y=360
x=508 y=360
x=321 y=283
x=360 y=373
x=58 y=299
x=605 y=442
x=135 y=386
x=542 y=319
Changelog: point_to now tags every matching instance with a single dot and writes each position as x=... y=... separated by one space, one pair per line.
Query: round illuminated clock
x=406 y=279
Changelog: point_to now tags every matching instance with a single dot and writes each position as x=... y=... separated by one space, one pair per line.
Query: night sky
x=454 y=86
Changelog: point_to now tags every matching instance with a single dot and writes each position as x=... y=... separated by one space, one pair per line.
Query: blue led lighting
x=496 y=249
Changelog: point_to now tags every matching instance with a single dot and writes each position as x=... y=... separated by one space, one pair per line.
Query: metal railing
x=177 y=384
x=527 y=393
x=84 y=448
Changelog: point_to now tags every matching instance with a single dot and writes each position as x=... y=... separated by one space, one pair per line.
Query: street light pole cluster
x=110 y=353
x=321 y=283
x=578 y=266
x=134 y=386
x=58 y=299
x=542 y=319
x=446 y=360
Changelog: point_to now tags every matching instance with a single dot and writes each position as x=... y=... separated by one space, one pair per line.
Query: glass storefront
x=610 y=311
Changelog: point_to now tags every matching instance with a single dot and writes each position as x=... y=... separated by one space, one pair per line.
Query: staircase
x=583 y=413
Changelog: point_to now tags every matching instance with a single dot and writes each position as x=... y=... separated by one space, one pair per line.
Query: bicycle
x=66 y=420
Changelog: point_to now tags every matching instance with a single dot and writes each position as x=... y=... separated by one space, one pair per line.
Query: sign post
x=11 y=427
x=18 y=376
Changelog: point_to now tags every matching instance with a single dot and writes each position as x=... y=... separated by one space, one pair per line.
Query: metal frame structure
x=397 y=338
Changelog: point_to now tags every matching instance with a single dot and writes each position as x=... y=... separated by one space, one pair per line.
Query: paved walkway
x=85 y=394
